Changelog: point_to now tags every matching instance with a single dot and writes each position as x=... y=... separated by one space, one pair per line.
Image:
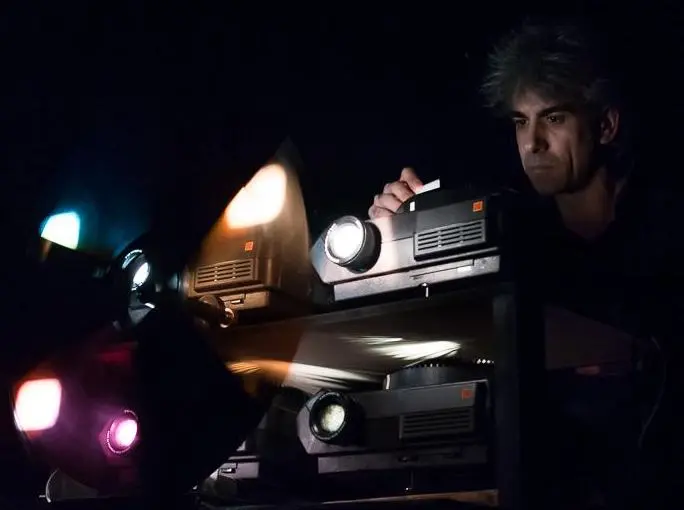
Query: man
x=566 y=109
x=607 y=249
x=555 y=84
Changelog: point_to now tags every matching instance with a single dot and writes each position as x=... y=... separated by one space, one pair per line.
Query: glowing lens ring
x=122 y=433
x=333 y=417
x=345 y=240
x=140 y=268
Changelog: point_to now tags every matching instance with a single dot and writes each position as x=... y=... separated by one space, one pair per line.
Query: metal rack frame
x=519 y=384
x=519 y=374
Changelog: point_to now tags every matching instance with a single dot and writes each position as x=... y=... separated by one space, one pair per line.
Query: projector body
x=255 y=261
x=438 y=238
x=249 y=271
x=422 y=427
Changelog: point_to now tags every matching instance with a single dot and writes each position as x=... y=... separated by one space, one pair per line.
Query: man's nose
x=535 y=140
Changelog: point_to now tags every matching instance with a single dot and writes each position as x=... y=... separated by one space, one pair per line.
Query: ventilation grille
x=224 y=273
x=450 y=237
x=451 y=422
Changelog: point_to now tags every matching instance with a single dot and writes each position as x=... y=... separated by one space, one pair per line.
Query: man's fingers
x=387 y=201
x=378 y=212
x=395 y=193
x=408 y=175
x=398 y=189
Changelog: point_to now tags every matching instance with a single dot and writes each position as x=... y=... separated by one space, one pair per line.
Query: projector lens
x=136 y=265
x=333 y=417
x=349 y=242
x=141 y=275
x=122 y=433
x=346 y=241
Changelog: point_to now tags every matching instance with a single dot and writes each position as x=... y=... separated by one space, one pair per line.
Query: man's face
x=556 y=143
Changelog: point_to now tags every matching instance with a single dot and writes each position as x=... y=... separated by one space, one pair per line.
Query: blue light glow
x=63 y=229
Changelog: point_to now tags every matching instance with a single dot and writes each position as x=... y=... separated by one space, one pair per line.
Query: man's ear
x=610 y=121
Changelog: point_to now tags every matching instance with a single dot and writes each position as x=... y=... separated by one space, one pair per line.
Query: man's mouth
x=538 y=169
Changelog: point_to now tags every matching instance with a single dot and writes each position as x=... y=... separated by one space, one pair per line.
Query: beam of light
x=419 y=351
x=375 y=340
x=307 y=378
x=410 y=351
x=63 y=229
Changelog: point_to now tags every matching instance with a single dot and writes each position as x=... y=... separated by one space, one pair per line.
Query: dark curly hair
x=561 y=61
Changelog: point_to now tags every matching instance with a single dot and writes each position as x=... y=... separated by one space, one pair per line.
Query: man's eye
x=519 y=122
x=555 y=119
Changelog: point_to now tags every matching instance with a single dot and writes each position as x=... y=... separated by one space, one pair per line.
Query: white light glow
x=332 y=418
x=141 y=275
x=261 y=200
x=125 y=433
x=63 y=229
x=37 y=405
x=345 y=240
x=417 y=351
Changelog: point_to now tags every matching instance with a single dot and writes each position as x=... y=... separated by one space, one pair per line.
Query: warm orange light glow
x=37 y=405
x=261 y=200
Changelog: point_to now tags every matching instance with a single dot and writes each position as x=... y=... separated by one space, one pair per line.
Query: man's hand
x=395 y=193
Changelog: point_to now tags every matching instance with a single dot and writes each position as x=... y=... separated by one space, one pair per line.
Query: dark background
x=125 y=113
x=120 y=112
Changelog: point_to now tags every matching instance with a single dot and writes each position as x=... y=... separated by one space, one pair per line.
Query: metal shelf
x=503 y=322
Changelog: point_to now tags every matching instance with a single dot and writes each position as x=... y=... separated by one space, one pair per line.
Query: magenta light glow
x=122 y=433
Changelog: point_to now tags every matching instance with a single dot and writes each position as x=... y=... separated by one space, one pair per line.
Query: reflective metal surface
x=356 y=348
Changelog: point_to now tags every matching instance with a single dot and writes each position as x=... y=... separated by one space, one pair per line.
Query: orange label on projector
x=478 y=206
x=467 y=393
x=249 y=245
